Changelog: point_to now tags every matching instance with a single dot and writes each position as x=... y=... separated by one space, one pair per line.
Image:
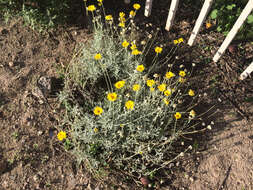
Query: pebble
x=11 y=64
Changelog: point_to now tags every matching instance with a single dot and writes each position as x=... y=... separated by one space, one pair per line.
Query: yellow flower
x=158 y=50
x=61 y=135
x=169 y=75
x=150 y=83
x=132 y=13
x=167 y=92
x=192 y=113
x=181 y=80
x=98 y=110
x=133 y=46
x=182 y=73
x=112 y=96
x=119 y=84
x=97 y=56
x=136 y=6
x=191 y=92
x=122 y=25
x=166 y=101
x=95 y=129
x=121 y=15
x=129 y=104
x=180 y=40
x=136 y=52
x=177 y=115
x=208 y=25
x=140 y=68
x=175 y=42
x=91 y=8
x=136 y=87
x=152 y=89
x=162 y=87
x=108 y=17
x=100 y=1
x=125 y=44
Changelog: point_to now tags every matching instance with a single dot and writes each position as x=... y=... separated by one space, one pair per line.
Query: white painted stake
x=246 y=11
x=127 y=1
x=202 y=16
x=148 y=7
x=172 y=13
x=247 y=72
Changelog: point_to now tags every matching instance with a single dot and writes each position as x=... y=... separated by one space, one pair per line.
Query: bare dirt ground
x=32 y=158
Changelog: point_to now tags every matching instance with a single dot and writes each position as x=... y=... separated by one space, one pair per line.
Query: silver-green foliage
x=134 y=140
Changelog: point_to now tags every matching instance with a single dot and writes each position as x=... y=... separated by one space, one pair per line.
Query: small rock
x=144 y=181
x=40 y=133
x=11 y=64
x=191 y=179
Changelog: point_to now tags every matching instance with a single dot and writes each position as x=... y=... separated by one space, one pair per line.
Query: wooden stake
x=202 y=16
x=247 y=72
x=246 y=11
x=172 y=13
x=148 y=7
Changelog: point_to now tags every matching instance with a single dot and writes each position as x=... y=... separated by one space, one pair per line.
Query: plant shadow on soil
x=39 y=161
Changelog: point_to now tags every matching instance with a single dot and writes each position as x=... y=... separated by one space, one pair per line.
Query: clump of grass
x=118 y=114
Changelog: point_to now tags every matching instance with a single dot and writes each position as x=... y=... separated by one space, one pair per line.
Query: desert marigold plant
x=120 y=114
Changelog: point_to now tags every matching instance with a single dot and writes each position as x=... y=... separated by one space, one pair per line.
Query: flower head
x=162 y=87
x=122 y=24
x=121 y=14
x=97 y=56
x=136 y=87
x=177 y=115
x=191 y=92
x=140 y=68
x=132 y=13
x=181 y=80
x=152 y=89
x=112 y=96
x=61 y=135
x=169 y=75
x=158 y=49
x=175 y=42
x=166 y=101
x=208 y=25
x=129 y=104
x=91 y=8
x=108 y=17
x=182 y=73
x=95 y=130
x=133 y=46
x=125 y=44
x=136 y=52
x=119 y=84
x=180 y=40
x=192 y=114
x=136 y=6
x=98 y=110
x=167 y=92
x=150 y=83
